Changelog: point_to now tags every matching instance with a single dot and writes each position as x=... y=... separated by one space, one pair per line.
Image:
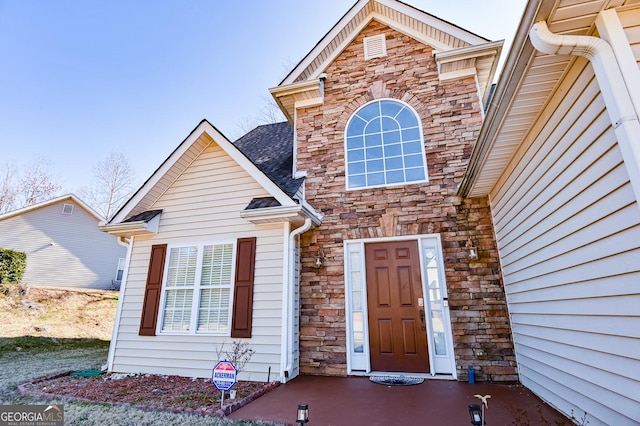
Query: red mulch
x=149 y=391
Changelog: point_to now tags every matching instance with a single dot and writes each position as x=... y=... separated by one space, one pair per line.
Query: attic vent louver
x=67 y=209
x=375 y=47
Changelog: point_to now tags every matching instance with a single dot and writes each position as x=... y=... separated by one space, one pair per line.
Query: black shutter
x=151 y=304
x=243 y=288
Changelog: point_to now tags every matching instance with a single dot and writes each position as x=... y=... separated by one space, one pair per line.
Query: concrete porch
x=357 y=401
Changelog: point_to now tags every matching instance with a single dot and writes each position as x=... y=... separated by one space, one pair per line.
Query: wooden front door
x=397 y=327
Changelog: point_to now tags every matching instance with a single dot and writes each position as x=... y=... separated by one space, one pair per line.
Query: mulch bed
x=148 y=391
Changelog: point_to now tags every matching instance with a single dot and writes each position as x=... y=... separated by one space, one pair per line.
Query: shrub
x=239 y=354
x=12 y=266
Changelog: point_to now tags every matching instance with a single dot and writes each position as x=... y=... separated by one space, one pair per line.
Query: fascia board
x=272 y=214
x=293 y=88
x=158 y=174
x=282 y=214
x=470 y=52
x=324 y=42
x=127 y=229
x=310 y=212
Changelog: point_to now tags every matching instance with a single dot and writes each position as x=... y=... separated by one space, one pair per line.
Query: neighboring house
x=559 y=160
x=63 y=244
x=284 y=238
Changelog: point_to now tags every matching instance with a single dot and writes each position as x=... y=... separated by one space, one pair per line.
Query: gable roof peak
x=398 y=15
x=181 y=158
x=66 y=197
x=459 y=53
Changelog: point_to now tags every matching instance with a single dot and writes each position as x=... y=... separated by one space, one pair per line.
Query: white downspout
x=288 y=297
x=614 y=91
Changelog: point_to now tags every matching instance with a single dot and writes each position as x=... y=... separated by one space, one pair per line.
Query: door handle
x=422 y=315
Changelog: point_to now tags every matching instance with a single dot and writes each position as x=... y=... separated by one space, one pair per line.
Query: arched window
x=384 y=146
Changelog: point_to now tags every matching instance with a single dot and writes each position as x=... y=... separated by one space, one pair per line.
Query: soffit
x=529 y=80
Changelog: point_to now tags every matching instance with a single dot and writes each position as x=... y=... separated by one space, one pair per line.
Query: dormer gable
x=458 y=52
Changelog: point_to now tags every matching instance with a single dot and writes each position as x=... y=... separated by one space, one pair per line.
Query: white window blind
x=198 y=289
x=215 y=293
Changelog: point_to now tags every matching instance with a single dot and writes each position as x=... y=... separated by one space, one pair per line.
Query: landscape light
x=303 y=414
x=475 y=412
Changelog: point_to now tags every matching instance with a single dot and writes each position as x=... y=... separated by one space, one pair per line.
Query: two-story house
x=336 y=241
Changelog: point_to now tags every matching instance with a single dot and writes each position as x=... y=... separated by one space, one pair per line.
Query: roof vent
x=67 y=209
x=375 y=47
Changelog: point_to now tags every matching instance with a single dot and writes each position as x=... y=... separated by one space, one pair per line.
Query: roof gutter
x=615 y=92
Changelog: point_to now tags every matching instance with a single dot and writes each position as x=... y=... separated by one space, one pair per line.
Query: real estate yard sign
x=224 y=376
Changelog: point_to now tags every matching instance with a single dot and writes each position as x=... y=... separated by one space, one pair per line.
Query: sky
x=81 y=79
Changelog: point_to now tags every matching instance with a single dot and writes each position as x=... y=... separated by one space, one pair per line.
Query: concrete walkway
x=357 y=401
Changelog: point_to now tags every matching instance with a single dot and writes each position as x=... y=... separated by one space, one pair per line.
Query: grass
x=55 y=331
x=48 y=344
x=56 y=313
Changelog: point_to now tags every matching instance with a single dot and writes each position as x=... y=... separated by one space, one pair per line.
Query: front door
x=397 y=328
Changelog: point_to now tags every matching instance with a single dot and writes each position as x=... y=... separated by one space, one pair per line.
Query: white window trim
x=193 y=324
x=120 y=267
x=386 y=185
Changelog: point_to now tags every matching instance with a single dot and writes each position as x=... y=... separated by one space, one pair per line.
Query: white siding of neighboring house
x=63 y=250
x=568 y=230
x=204 y=205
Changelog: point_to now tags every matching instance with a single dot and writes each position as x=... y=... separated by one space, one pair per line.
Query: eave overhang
x=132 y=229
x=480 y=60
x=528 y=82
x=293 y=214
x=303 y=94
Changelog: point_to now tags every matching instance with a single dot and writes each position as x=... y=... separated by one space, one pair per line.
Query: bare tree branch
x=36 y=185
x=7 y=188
x=269 y=113
x=112 y=184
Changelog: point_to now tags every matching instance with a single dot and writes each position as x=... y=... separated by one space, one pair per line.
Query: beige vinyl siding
x=63 y=250
x=568 y=230
x=631 y=24
x=203 y=206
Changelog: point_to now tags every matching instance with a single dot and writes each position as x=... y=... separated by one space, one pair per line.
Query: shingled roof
x=270 y=148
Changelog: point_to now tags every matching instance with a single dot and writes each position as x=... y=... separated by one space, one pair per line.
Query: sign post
x=224 y=376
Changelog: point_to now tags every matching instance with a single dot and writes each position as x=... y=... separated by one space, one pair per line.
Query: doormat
x=396 y=380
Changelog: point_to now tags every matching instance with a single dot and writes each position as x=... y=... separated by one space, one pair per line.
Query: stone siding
x=451 y=118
